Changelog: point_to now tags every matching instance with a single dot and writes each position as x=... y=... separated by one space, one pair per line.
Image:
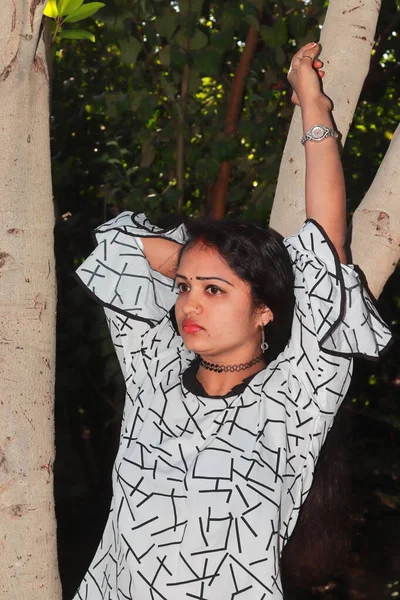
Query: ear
x=265 y=316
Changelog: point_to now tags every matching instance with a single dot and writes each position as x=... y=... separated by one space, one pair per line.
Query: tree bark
x=28 y=566
x=375 y=244
x=346 y=40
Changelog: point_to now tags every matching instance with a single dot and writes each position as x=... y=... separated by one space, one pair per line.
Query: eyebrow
x=206 y=279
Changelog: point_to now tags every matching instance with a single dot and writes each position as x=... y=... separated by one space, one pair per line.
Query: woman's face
x=214 y=310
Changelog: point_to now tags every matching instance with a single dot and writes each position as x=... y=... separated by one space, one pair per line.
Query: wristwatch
x=317 y=133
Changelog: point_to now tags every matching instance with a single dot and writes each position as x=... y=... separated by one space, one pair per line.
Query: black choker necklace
x=230 y=368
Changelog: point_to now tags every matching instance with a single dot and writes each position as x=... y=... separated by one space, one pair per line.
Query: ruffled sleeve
x=334 y=319
x=331 y=304
x=117 y=274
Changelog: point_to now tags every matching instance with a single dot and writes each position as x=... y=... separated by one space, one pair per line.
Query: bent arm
x=162 y=255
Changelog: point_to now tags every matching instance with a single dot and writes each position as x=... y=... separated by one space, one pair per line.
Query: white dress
x=207 y=490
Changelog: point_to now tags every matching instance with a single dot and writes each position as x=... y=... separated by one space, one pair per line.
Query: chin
x=194 y=345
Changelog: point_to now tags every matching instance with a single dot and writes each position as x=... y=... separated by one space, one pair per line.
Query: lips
x=189 y=326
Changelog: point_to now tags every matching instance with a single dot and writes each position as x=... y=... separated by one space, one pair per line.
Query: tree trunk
x=346 y=40
x=375 y=244
x=28 y=566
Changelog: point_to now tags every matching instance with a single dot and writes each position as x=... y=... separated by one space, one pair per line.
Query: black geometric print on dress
x=207 y=490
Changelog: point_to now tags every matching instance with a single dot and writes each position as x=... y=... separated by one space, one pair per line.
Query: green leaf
x=165 y=56
x=166 y=25
x=208 y=61
x=194 y=6
x=171 y=196
x=198 y=41
x=253 y=21
x=168 y=88
x=194 y=81
x=150 y=34
x=148 y=154
x=259 y=4
x=65 y=7
x=249 y=8
x=281 y=32
x=129 y=50
x=252 y=131
x=51 y=10
x=193 y=153
x=276 y=35
x=76 y=34
x=207 y=169
x=178 y=57
x=298 y=25
x=225 y=149
x=230 y=18
x=147 y=107
x=223 y=40
x=85 y=11
x=135 y=98
x=280 y=56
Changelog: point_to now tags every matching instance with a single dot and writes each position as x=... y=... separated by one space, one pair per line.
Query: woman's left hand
x=305 y=75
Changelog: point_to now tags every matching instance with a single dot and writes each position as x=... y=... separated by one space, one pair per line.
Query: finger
x=300 y=53
x=320 y=73
x=312 y=49
x=307 y=53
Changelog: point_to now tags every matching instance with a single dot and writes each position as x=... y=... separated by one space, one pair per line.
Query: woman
x=220 y=435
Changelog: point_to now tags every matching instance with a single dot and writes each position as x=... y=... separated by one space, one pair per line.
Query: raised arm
x=324 y=187
x=162 y=255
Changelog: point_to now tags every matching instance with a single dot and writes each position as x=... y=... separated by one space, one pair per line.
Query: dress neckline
x=193 y=385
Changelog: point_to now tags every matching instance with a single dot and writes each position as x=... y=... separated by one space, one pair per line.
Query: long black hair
x=259 y=257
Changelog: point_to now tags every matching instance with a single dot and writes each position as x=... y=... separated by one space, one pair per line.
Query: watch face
x=318 y=132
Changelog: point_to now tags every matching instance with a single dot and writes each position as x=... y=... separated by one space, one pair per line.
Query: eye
x=181 y=286
x=214 y=290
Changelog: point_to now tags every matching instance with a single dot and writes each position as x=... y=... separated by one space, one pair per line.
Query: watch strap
x=318 y=133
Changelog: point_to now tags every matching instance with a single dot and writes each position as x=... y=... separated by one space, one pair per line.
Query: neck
x=219 y=384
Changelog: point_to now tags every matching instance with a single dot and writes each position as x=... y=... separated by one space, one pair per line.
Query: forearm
x=162 y=255
x=324 y=190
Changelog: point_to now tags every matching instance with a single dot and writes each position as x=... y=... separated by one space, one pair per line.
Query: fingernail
x=311 y=45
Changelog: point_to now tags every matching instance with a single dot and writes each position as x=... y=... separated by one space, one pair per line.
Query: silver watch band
x=317 y=133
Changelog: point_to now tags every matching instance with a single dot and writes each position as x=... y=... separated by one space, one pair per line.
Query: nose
x=191 y=304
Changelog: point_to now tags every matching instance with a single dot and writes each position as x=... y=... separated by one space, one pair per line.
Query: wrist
x=319 y=104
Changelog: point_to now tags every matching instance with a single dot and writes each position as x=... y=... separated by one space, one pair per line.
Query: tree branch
x=375 y=244
x=347 y=32
x=220 y=189
x=180 y=143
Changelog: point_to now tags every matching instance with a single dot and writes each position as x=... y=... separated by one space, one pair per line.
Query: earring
x=264 y=345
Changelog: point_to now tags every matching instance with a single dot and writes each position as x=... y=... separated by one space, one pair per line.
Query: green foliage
x=76 y=34
x=71 y=11
x=129 y=92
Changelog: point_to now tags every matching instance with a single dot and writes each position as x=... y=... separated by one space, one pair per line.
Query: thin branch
x=180 y=146
x=220 y=188
x=180 y=142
